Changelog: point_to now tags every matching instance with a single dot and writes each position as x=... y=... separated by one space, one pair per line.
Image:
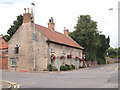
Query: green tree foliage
x=119 y=52
x=13 y=28
x=87 y=36
x=113 y=52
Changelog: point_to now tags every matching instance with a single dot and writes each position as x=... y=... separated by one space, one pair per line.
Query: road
x=103 y=76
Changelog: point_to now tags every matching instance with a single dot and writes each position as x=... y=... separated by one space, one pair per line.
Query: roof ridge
x=41 y=26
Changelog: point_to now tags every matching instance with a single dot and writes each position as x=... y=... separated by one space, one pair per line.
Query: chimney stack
x=26 y=16
x=28 y=10
x=51 y=24
x=66 y=31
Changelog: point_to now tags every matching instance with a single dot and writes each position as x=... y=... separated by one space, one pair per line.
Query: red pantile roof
x=3 y=44
x=57 y=37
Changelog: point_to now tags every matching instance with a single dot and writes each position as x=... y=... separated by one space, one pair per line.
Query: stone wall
x=94 y=63
x=58 y=51
x=25 y=60
x=112 y=60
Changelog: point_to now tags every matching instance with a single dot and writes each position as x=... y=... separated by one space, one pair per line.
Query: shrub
x=81 y=66
x=69 y=66
x=52 y=68
x=66 y=68
x=62 y=68
x=73 y=67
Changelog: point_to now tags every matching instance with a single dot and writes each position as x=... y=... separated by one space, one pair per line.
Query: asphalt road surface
x=103 y=76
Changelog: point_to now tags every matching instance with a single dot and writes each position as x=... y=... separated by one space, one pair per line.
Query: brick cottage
x=3 y=53
x=51 y=47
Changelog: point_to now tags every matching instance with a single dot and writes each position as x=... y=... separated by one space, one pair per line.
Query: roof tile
x=57 y=37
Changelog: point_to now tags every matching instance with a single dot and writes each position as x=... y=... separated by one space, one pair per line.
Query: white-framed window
x=70 y=51
x=52 y=62
x=63 y=49
x=79 y=53
x=63 y=62
x=13 y=62
x=52 y=48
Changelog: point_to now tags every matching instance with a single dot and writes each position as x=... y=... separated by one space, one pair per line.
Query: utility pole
x=34 y=32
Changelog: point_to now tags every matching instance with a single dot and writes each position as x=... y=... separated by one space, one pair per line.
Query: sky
x=65 y=14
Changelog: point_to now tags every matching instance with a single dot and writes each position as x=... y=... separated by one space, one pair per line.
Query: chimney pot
x=64 y=28
x=25 y=10
x=51 y=24
x=66 y=31
x=28 y=10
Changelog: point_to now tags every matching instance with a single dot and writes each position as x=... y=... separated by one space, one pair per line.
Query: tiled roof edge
x=74 y=41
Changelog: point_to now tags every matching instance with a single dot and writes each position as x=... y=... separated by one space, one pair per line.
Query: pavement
x=102 y=76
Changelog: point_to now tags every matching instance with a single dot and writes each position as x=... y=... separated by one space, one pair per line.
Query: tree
x=119 y=53
x=87 y=36
x=113 y=52
x=16 y=24
x=101 y=49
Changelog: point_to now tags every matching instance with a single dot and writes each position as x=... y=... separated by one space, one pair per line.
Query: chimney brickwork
x=66 y=31
x=26 y=16
x=51 y=24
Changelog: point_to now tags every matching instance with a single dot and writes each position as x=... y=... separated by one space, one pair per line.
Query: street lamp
x=110 y=8
x=34 y=32
x=114 y=8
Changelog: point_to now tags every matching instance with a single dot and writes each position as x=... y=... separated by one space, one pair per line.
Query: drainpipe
x=48 y=56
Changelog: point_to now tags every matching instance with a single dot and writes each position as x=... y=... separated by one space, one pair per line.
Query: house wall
x=25 y=60
x=4 y=63
x=58 y=51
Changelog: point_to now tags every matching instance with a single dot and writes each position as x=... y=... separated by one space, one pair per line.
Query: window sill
x=14 y=66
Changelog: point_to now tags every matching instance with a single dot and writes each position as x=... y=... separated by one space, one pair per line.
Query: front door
x=77 y=64
x=74 y=62
x=57 y=63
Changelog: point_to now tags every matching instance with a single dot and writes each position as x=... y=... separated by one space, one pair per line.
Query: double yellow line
x=15 y=85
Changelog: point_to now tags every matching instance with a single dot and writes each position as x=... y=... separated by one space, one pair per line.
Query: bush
x=73 y=67
x=70 y=67
x=52 y=68
x=66 y=65
x=101 y=61
x=81 y=66
x=62 y=68
x=66 y=68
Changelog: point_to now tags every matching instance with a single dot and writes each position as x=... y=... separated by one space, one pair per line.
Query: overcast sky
x=65 y=14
